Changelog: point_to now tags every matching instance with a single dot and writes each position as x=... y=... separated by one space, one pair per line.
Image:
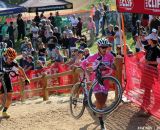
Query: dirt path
x=54 y=115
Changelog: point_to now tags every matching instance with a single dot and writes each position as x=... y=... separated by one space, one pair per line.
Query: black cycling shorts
x=8 y=84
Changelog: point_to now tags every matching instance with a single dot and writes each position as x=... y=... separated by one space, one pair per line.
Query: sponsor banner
x=139 y=6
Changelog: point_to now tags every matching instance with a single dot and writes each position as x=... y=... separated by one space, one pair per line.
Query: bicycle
x=82 y=96
x=4 y=94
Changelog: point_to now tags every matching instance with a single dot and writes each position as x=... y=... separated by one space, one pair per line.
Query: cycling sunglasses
x=104 y=47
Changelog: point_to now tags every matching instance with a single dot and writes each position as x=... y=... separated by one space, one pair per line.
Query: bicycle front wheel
x=77 y=105
x=105 y=102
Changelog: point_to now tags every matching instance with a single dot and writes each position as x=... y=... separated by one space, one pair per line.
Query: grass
x=95 y=2
x=129 y=41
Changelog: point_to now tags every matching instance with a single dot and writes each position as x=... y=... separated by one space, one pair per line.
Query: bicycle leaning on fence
x=82 y=95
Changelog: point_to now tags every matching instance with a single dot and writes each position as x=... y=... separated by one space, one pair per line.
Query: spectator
x=138 y=45
x=4 y=29
x=118 y=35
x=37 y=19
x=67 y=30
x=51 y=45
x=145 y=20
x=29 y=49
x=73 y=57
x=57 y=34
x=152 y=52
x=119 y=52
x=58 y=57
x=91 y=28
x=23 y=61
x=102 y=22
x=74 y=22
x=79 y=27
x=20 y=27
x=153 y=35
x=28 y=27
x=155 y=22
x=42 y=53
x=83 y=42
x=58 y=21
x=86 y=53
x=42 y=15
x=30 y=64
x=97 y=17
x=72 y=42
x=50 y=24
x=105 y=7
x=100 y=7
x=39 y=65
x=52 y=19
x=92 y=13
x=34 y=32
x=65 y=44
x=24 y=44
x=47 y=31
x=110 y=35
x=79 y=58
x=11 y=31
x=8 y=41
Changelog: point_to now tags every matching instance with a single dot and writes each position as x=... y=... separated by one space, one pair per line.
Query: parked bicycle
x=82 y=95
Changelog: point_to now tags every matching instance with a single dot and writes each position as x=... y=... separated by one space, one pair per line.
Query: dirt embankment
x=54 y=115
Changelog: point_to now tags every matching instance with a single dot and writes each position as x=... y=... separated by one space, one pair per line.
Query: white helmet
x=103 y=43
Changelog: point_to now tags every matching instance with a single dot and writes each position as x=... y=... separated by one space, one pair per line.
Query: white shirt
x=34 y=31
x=74 y=21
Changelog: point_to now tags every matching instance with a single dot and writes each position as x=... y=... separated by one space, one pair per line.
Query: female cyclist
x=107 y=57
x=9 y=64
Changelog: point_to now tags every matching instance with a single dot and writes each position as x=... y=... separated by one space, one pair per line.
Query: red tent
x=139 y=6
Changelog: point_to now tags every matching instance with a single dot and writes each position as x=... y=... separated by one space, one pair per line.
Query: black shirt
x=58 y=35
x=51 y=46
x=22 y=62
x=65 y=43
x=43 y=50
x=152 y=53
x=31 y=64
x=21 y=24
x=8 y=67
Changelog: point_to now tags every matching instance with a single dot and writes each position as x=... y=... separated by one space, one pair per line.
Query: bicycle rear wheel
x=3 y=96
x=113 y=98
x=77 y=105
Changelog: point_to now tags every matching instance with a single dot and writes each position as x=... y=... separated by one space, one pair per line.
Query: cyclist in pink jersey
x=108 y=59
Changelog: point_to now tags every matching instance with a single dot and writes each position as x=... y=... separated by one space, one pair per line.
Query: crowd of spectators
x=43 y=39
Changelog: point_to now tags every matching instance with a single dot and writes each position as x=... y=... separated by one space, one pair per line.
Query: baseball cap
x=154 y=30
